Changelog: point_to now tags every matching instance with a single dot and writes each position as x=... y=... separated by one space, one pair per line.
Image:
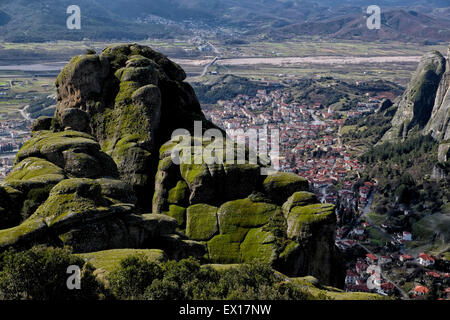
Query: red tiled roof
x=387 y=286
x=425 y=256
x=372 y=256
x=433 y=274
x=421 y=289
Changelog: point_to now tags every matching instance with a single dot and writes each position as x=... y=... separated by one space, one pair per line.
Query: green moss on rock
x=201 y=222
x=282 y=185
x=126 y=91
x=242 y=237
x=244 y=214
x=50 y=145
x=301 y=219
x=258 y=245
x=26 y=234
x=179 y=214
x=224 y=249
x=193 y=173
x=73 y=201
x=299 y=199
x=109 y=260
x=36 y=169
x=179 y=195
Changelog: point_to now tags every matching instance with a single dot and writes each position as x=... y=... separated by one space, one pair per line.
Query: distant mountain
x=28 y=20
x=36 y=21
x=402 y=25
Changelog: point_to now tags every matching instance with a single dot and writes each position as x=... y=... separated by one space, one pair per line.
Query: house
x=447 y=292
x=406 y=257
x=407 y=236
x=371 y=258
x=358 y=231
x=433 y=275
x=361 y=267
x=357 y=288
x=351 y=277
x=385 y=260
x=420 y=291
x=388 y=287
x=425 y=260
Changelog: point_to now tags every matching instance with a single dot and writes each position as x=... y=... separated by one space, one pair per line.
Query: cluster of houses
x=309 y=144
x=367 y=275
x=13 y=134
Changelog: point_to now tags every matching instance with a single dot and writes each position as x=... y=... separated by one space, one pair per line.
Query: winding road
x=205 y=70
x=24 y=113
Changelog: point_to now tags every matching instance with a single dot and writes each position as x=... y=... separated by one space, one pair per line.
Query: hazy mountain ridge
x=25 y=20
x=398 y=24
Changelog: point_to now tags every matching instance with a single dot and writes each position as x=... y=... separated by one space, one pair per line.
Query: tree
x=41 y=274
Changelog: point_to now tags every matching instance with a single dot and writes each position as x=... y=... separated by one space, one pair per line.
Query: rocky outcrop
x=90 y=177
x=415 y=107
x=438 y=125
x=135 y=98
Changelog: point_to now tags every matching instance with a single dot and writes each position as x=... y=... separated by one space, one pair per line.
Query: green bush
x=133 y=277
x=188 y=280
x=41 y=274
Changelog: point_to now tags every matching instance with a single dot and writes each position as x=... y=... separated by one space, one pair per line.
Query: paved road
x=24 y=113
x=205 y=70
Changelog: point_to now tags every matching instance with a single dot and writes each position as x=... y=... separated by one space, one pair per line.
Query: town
x=309 y=140
x=13 y=134
x=310 y=146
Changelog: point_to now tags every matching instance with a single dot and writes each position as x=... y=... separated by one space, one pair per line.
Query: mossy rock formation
x=90 y=177
x=135 y=97
x=418 y=106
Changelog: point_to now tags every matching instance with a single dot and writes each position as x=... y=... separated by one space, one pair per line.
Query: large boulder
x=195 y=181
x=135 y=98
x=280 y=186
x=75 y=119
x=42 y=123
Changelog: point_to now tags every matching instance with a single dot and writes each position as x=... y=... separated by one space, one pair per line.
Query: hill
x=328 y=91
x=226 y=88
x=33 y=21
x=38 y=21
x=399 y=25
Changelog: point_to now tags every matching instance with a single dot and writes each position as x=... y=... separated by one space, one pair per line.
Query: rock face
x=438 y=125
x=135 y=98
x=415 y=107
x=425 y=106
x=89 y=178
